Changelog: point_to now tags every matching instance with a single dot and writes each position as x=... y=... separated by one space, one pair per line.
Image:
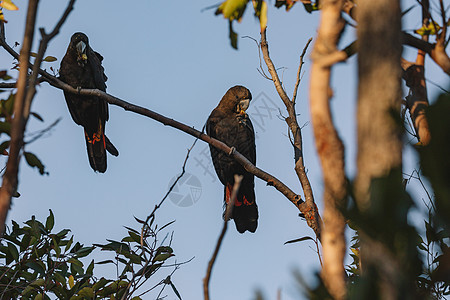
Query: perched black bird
x=230 y=124
x=82 y=67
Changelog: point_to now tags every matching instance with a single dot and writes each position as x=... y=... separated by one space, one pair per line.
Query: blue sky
x=176 y=60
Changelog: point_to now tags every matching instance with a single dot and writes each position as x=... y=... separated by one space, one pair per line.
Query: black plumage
x=82 y=67
x=230 y=124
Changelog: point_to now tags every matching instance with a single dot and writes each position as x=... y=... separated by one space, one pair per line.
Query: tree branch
x=228 y=211
x=330 y=148
x=270 y=179
x=26 y=89
x=312 y=216
x=414 y=75
x=9 y=184
x=436 y=51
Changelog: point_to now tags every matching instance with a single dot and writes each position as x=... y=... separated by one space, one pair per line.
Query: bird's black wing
x=98 y=72
x=235 y=131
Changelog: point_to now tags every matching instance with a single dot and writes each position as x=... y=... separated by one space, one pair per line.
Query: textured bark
x=329 y=147
x=379 y=93
x=379 y=134
x=9 y=184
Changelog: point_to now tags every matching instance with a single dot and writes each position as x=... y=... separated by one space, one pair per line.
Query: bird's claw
x=232 y=150
x=79 y=89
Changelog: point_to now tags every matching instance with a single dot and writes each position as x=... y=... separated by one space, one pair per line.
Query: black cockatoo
x=82 y=67
x=230 y=124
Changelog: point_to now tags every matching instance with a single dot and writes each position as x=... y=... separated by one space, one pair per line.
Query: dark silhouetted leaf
x=37 y=116
x=34 y=162
x=305 y=238
x=50 y=222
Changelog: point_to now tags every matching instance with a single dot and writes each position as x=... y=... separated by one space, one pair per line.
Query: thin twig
x=311 y=212
x=228 y=211
x=294 y=96
x=157 y=206
x=261 y=69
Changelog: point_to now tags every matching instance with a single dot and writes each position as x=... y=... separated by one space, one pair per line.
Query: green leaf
x=4 y=146
x=37 y=266
x=62 y=233
x=34 y=162
x=8 y=4
x=50 y=58
x=56 y=247
x=86 y=292
x=60 y=278
x=69 y=243
x=101 y=283
x=305 y=238
x=39 y=297
x=233 y=36
x=232 y=9
x=75 y=262
x=104 y=262
x=5 y=127
x=4 y=75
x=431 y=29
x=260 y=8
x=136 y=238
x=162 y=256
x=168 y=224
x=38 y=282
x=90 y=268
x=175 y=290
x=13 y=250
x=85 y=251
x=37 y=116
x=50 y=222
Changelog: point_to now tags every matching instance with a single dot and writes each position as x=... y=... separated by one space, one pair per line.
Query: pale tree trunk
x=379 y=92
x=379 y=134
x=329 y=147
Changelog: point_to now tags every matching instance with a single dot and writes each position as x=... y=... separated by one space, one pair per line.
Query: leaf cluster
x=36 y=262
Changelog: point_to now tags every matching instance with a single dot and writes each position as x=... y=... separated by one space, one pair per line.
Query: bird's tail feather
x=245 y=210
x=110 y=147
x=96 y=149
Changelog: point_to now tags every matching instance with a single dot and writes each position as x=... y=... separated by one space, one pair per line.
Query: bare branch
x=9 y=183
x=228 y=211
x=329 y=147
x=261 y=69
x=414 y=75
x=436 y=51
x=25 y=93
x=294 y=95
x=312 y=214
x=8 y=85
x=249 y=167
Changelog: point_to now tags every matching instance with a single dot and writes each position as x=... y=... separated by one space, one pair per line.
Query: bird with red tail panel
x=230 y=124
x=82 y=67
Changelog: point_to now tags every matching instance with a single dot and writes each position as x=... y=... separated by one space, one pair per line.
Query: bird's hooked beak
x=81 y=51
x=242 y=106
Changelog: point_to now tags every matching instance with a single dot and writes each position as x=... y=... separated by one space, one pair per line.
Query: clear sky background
x=176 y=60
